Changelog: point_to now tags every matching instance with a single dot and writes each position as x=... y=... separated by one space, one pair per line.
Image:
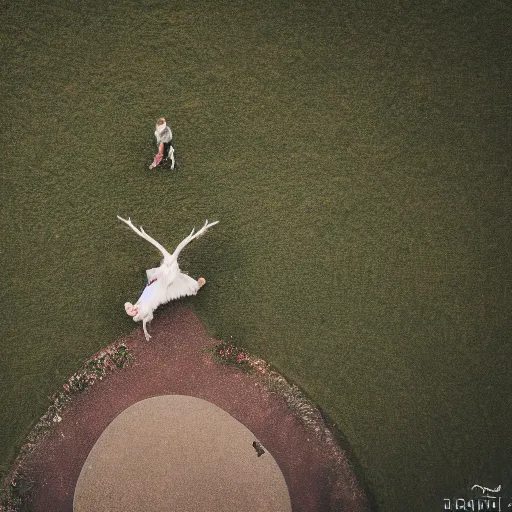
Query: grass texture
x=357 y=156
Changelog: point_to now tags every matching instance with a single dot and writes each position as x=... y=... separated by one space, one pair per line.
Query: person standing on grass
x=163 y=136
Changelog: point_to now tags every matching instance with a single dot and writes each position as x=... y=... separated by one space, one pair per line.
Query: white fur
x=169 y=282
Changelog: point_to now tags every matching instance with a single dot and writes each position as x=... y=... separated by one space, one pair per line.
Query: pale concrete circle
x=181 y=454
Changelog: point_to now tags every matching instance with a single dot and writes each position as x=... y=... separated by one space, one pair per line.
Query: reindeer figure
x=166 y=282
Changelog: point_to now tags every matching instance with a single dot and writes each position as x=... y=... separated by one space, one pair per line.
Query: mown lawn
x=357 y=155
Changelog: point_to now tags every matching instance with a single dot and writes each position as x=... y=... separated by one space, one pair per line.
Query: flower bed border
x=230 y=354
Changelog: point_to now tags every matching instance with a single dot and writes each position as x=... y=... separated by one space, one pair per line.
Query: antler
x=191 y=237
x=144 y=235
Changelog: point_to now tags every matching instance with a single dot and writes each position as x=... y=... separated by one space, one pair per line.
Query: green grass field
x=357 y=155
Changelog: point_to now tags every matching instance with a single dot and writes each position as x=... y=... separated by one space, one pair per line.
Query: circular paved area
x=319 y=476
x=180 y=453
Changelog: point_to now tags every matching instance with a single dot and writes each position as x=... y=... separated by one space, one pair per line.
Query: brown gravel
x=316 y=470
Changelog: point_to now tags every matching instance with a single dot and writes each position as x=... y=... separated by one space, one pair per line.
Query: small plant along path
x=174 y=362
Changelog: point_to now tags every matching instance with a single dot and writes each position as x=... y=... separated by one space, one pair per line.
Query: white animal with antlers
x=166 y=282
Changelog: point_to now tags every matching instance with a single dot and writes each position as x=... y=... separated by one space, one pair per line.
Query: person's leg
x=184 y=285
x=158 y=158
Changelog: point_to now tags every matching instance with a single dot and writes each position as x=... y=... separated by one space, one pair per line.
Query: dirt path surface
x=317 y=472
x=190 y=454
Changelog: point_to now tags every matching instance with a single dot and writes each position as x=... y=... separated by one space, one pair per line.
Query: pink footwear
x=201 y=282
